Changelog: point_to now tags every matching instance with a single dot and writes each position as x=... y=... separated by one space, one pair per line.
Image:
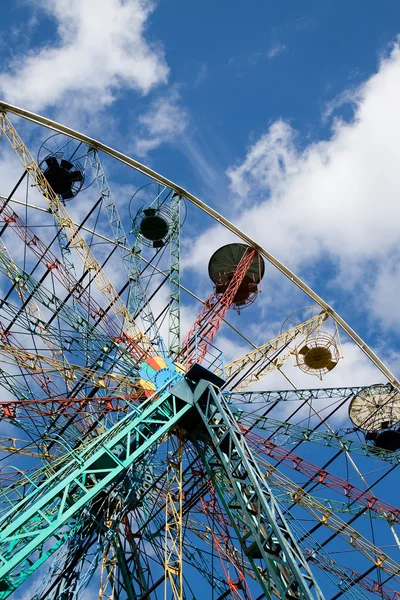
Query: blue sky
x=282 y=115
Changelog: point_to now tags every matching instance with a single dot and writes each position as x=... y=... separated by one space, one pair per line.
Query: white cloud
x=385 y=293
x=337 y=198
x=342 y=193
x=100 y=47
x=350 y=96
x=276 y=50
x=164 y=121
x=201 y=75
x=267 y=160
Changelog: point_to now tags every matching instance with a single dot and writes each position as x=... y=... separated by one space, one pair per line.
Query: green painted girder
x=104 y=532
x=292 y=434
x=137 y=298
x=266 y=397
x=250 y=504
x=174 y=332
x=27 y=531
x=125 y=581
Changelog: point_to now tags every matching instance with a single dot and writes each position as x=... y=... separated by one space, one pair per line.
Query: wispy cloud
x=201 y=75
x=100 y=47
x=350 y=96
x=168 y=121
x=276 y=49
x=302 y=24
x=163 y=122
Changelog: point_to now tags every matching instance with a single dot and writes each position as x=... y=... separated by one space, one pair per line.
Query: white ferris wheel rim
x=131 y=162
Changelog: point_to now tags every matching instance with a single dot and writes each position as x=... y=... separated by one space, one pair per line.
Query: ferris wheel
x=137 y=459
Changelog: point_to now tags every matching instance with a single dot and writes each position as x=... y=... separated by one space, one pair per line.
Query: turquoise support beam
x=27 y=531
x=174 y=332
x=250 y=503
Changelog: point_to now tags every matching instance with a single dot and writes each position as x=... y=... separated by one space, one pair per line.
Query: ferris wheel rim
x=342 y=446
x=133 y=163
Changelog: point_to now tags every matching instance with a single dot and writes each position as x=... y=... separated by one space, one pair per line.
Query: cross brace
x=50 y=509
x=263 y=530
x=34 y=528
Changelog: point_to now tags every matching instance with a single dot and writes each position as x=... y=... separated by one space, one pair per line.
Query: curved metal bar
x=131 y=162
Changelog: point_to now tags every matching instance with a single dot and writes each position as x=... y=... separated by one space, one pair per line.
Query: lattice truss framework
x=137 y=468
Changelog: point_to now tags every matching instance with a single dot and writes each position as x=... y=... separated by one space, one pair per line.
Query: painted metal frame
x=131 y=259
x=6 y=107
x=267 y=534
x=48 y=510
x=174 y=315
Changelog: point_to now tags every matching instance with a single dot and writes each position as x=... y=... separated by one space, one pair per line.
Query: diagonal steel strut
x=253 y=511
x=28 y=530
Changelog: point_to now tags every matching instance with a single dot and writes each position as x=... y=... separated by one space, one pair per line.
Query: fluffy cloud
x=337 y=198
x=100 y=47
